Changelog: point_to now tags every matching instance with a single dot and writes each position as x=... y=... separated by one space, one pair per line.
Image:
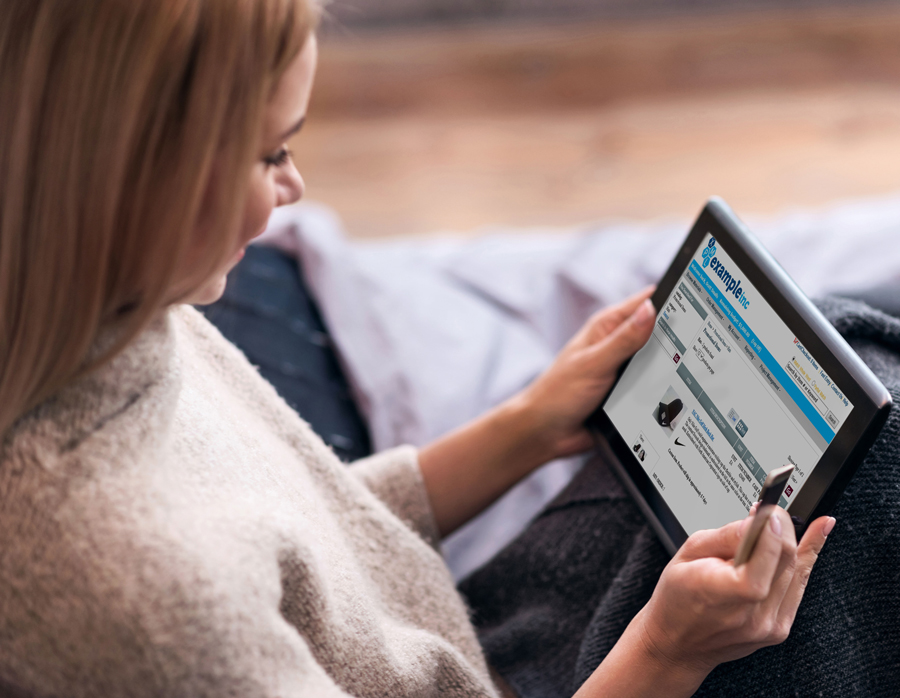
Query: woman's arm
x=470 y=468
x=704 y=611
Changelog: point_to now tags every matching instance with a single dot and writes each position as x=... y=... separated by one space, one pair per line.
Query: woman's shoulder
x=203 y=349
x=117 y=563
x=210 y=359
x=197 y=335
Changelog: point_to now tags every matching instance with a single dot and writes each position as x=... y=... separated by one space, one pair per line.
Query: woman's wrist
x=530 y=435
x=636 y=669
x=681 y=672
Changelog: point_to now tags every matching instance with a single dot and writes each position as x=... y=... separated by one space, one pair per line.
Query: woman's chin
x=210 y=292
x=213 y=289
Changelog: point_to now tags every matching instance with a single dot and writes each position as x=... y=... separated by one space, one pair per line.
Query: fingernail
x=644 y=314
x=775 y=522
x=829 y=525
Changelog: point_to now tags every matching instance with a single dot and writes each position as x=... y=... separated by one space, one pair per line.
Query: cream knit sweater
x=170 y=527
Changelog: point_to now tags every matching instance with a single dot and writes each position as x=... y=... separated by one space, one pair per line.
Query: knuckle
x=755 y=592
x=762 y=629
x=781 y=632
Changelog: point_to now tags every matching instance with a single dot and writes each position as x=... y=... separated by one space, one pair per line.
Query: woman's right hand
x=704 y=611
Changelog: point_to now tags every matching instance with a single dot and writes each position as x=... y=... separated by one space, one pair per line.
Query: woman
x=171 y=526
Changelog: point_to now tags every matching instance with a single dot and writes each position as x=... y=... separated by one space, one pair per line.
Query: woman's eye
x=279 y=159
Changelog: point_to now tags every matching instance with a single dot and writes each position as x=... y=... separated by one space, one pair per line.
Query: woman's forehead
x=288 y=105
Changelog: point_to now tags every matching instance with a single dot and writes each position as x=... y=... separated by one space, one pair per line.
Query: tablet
x=742 y=375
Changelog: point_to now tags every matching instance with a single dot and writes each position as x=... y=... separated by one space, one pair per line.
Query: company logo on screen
x=709 y=252
x=732 y=285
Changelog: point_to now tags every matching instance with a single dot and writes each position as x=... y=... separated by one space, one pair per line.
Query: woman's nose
x=291 y=187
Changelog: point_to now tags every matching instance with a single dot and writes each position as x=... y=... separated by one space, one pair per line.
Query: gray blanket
x=551 y=605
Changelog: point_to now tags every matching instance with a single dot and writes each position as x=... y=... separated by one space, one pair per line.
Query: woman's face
x=275 y=180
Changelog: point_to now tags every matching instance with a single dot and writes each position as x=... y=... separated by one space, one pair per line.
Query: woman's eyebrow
x=293 y=129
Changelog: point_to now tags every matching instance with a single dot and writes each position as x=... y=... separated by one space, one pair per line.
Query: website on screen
x=722 y=394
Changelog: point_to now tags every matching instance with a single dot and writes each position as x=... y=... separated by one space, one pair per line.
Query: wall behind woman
x=361 y=12
x=420 y=127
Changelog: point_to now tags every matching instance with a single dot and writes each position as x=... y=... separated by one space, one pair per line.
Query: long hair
x=112 y=113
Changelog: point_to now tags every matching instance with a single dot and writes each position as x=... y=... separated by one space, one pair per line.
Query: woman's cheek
x=259 y=207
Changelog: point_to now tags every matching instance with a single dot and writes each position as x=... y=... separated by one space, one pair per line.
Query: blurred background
x=567 y=145
x=444 y=115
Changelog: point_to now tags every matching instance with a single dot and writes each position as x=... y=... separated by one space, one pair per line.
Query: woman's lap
x=535 y=605
x=550 y=606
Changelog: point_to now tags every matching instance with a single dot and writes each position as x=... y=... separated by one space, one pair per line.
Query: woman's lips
x=239 y=255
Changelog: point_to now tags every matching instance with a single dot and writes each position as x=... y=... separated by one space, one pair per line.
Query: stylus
x=772 y=488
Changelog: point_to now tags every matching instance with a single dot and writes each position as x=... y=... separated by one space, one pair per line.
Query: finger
x=625 y=339
x=786 y=569
x=717 y=542
x=807 y=554
x=608 y=319
x=763 y=564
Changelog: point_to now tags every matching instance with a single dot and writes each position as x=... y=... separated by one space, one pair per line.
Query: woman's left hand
x=468 y=469
x=583 y=372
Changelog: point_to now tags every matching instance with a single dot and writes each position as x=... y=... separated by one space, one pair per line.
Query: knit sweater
x=172 y=528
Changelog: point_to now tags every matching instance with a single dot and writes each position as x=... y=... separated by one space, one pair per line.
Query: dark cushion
x=268 y=312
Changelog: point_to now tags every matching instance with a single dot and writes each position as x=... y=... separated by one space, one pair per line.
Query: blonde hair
x=112 y=113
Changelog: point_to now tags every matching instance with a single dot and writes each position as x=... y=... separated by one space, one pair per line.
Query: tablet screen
x=723 y=393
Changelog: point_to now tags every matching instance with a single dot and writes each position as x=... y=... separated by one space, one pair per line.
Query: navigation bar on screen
x=774 y=369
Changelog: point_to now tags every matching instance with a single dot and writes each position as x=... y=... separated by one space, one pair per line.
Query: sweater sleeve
x=395 y=478
x=156 y=620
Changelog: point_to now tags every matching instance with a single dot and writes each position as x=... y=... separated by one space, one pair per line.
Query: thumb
x=627 y=338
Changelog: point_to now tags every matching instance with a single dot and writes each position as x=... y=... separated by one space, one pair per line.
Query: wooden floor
x=417 y=131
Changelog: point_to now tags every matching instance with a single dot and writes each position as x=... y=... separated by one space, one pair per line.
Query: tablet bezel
x=871 y=400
